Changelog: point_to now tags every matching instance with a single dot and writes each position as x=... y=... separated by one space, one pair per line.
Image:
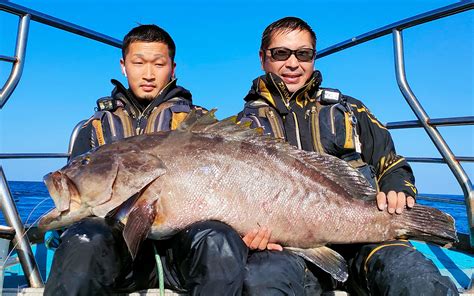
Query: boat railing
x=26 y=15
x=9 y=210
x=429 y=124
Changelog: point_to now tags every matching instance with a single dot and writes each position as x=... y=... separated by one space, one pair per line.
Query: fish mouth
x=56 y=219
x=63 y=191
x=47 y=221
x=66 y=198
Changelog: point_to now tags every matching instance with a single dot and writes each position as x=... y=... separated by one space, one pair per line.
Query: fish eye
x=85 y=160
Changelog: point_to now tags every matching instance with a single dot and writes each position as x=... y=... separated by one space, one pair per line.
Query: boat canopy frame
x=8 y=207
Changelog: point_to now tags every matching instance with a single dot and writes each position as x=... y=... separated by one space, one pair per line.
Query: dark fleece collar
x=171 y=90
x=273 y=90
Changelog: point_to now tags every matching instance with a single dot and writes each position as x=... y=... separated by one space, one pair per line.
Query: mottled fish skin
x=215 y=173
x=250 y=186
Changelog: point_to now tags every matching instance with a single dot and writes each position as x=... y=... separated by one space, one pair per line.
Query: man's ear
x=122 y=66
x=261 y=54
x=173 y=70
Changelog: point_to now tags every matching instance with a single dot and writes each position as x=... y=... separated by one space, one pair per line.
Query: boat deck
x=457 y=265
x=39 y=292
x=150 y=292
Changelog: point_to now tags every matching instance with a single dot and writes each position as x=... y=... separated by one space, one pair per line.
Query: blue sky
x=217 y=58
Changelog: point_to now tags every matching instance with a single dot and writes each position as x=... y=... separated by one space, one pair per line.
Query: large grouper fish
x=158 y=184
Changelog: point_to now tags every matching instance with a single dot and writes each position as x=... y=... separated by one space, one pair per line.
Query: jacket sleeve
x=83 y=141
x=393 y=171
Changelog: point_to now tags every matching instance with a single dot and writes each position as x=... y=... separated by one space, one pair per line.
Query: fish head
x=88 y=179
x=97 y=182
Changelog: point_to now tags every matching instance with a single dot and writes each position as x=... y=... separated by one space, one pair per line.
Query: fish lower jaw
x=56 y=219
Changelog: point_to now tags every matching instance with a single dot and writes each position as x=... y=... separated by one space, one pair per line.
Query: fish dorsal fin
x=232 y=130
x=207 y=123
x=334 y=169
x=197 y=120
x=338 y=171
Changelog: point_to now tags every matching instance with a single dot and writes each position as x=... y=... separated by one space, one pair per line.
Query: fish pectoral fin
x=139 y=223
x=326 y=259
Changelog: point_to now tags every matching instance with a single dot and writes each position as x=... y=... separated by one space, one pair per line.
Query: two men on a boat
x=210 y=258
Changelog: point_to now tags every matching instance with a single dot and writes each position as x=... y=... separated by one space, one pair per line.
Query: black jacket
x=324 y=120
x=121 y=115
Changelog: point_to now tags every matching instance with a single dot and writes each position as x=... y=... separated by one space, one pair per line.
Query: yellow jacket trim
x=274 y=123
x=412 y=186
x=300 y=99
x=155 y=113
x=126 y=123
x=369 y=115
x=381 y=247
x=177 y=118
x=98 y=131
x=389 y=167
x=349 y=141
x=265 y=92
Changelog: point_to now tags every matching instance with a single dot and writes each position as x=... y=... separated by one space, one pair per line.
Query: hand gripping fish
x=158 y=184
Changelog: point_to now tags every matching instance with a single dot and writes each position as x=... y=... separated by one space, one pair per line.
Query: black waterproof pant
x=392 y=268
x=396 y=268
x=210 y=258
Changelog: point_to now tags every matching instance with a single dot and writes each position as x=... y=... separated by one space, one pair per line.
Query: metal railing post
x=433 y=133
x=10 y=212
x=4 y=243
x=17 y=69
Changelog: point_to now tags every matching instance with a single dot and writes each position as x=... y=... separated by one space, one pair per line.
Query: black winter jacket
x=121 y=115
x=324 y=120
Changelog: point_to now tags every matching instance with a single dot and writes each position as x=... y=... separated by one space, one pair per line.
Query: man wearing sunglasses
x=289 y=103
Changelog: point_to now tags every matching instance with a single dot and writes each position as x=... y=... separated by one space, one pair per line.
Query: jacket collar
x=273 y=90
x=171 y=90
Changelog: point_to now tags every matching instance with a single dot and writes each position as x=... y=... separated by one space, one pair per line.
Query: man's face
x=148 y=68
x=292 y=71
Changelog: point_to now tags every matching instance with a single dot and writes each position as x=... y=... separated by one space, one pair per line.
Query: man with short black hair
x=289 y=103
x=207 y=258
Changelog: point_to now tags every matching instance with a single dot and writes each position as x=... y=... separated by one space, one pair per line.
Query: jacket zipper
x=141 y=115
x=297 y=130
x=331 y=113
x=275 y=124
x=287 y=104
x=138 y=129
x=315 y=130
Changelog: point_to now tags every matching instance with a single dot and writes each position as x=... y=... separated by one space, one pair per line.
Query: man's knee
x=211 y=258
x=288 y=275
x=276 y=263
x=396 y=268
x=212 y=243
x=89 y=258
x=215 y=237
x=91 y=233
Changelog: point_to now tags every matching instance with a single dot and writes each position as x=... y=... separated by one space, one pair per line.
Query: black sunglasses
x=283 y=53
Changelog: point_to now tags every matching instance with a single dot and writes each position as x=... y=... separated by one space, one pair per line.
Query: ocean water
x=32 y=200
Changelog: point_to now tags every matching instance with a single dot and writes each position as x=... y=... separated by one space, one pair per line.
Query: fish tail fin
x=428 y=224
